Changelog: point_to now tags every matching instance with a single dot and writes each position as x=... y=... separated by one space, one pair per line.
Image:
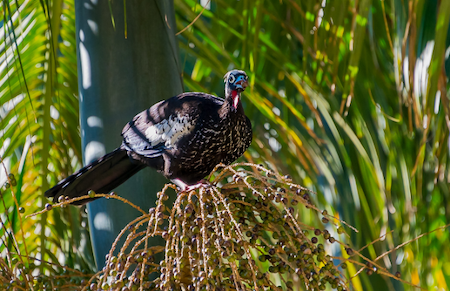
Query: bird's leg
x=186 y=188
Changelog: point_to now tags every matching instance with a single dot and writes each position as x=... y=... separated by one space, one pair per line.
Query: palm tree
x=349 y=98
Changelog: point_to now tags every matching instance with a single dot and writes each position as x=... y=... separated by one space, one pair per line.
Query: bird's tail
x=101 y=176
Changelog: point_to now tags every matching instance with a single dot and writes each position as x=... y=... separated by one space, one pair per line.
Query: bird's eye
x=231 y=79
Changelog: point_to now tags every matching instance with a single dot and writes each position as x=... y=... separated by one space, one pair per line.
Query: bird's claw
x=183 y=187
x=202 y=183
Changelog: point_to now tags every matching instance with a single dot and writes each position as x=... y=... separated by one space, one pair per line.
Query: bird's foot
x=187 y=188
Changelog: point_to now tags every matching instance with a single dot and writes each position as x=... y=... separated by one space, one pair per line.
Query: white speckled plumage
x=169 y=131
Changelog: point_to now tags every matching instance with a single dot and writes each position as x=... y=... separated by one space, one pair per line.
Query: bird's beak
x=241 y=83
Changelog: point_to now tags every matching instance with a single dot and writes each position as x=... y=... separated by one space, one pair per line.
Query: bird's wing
x=163 y=125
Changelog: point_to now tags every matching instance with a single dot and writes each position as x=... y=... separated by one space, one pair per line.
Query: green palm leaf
x=336 y=102
x=40 y=131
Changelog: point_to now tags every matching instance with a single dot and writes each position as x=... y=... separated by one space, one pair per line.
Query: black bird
x=183 y=137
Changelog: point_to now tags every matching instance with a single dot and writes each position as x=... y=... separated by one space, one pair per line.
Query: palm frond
x=40 y=132
x=343 y=97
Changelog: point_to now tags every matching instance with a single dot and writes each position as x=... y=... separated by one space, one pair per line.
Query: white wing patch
x=169 y=131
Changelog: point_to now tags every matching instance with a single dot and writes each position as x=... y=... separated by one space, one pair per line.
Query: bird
x=183 y=137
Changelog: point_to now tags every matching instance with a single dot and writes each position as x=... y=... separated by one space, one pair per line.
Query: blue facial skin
x=241 y=83
x=237 y=80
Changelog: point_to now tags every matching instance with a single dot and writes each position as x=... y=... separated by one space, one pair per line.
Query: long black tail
x=101 y=176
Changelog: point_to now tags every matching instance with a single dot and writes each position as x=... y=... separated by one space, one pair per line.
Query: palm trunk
x=127 y=61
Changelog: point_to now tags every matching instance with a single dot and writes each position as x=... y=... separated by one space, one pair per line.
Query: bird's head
x=235 y=82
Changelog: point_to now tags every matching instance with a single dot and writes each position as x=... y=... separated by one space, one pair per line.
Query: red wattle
x=235 y=96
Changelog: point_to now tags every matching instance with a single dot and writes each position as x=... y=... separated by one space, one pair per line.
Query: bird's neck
x=233 y=101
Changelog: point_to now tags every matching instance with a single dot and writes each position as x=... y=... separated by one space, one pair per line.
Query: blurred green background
x=350 y=98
